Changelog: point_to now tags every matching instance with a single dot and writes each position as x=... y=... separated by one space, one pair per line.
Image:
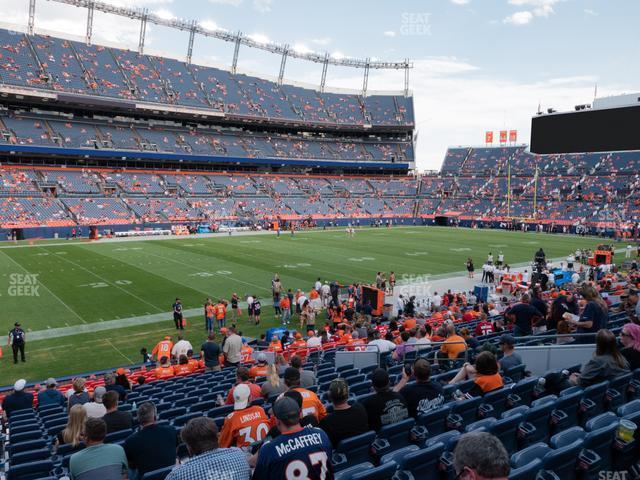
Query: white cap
x=19 y=385
x=241 y=395
x=261 y=357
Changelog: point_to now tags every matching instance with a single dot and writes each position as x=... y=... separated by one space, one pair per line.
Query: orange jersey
x=297 y=344
x=182 y=369
x=313 y=294
x=163 y=349
x=209 y=311
x=285 y=303
x=221 y=311
x=275 y=347
x=194 y=364
x=259 y=371
x=245 y=354
x=244 y=427
x=164 y=372
x=311 y=404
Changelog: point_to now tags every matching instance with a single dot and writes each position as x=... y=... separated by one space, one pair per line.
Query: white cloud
x=389 y=33
x=519 y=18
x=259 y=37
x=302 y=48
x=165 y=14
x=591 y=13
x=321 y=41
x=231 y=3
x=262 y=6
x=537 y=8
x=461 y=2
x=338 y=55
x=209 y=25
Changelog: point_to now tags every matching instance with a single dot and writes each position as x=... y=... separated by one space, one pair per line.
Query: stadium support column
x=90 y=8
x=535 y=193
x=323 y=78
x=365 y=80
x=32 y=15
x=143 y=30
x=192 y=34
x=406 y=77
x=283 y=63
x=236 y=50
x=509 y=188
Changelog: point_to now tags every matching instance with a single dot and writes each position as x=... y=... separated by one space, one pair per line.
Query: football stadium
x=349 y=270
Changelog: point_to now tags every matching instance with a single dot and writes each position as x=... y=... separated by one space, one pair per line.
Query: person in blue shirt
x=51 y=396
x=297 y=452
x=594 y=317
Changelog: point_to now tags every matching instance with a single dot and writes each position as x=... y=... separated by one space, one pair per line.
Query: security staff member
x=17 y=340
x=177 y=314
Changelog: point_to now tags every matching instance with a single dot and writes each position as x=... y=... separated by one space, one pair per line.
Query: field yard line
x=48 y=290
x=120 y=352
x=108 y=325
x=107 y=281
x=199 y=268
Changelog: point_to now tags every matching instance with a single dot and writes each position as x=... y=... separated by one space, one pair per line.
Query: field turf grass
x=80 y=282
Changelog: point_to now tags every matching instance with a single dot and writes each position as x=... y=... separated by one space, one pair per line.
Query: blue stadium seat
x=515 y=373
x=393 y=437
x=423 y=463
x=435 y=420
x=629 y=408
x=172 y=413
x=398 y=454
x=506 y=429
x=115 y=437
x=348 y=473
x=203 y=406
x=14 y=448
x=535 y=426
x=617 y=392
x=351 y=451
x=496 y=400
x=467 y=409
x=563 y=461
x=593 y=401
x=30 y=456
x=24 y=427
x=483 y=425
x=527 y=455
x=159 y=474
x=448 y=439
x=565 y=412
x=183 y=419
x=30 y=471
x=528 y=471
x=383 y=472
x=26 y=436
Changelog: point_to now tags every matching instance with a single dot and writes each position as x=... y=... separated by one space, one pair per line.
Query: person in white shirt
x=314 y=341
x=400 y=305
x=181 y=347
x=318 y=285
x=96 y=409
x=301 y=299
x=436 y=300
x=575 y=278
x=627 y=253
x=325 y=292
x=525 y=277
x=380 y=345
x=490 y=258
x=500 y=259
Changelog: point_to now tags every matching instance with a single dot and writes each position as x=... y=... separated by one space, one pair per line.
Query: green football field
x=73 y=287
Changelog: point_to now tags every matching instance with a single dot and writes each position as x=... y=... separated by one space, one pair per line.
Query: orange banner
x=488 y=137
x=503 y=137
x=513 y=136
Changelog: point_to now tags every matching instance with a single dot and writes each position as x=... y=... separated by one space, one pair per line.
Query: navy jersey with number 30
x=302 y=455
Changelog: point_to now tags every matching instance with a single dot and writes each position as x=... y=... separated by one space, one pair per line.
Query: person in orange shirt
x=454 y=344
x=298 y=343
x=246 y=424
x=163 y=349
x=275 y=346
x=183 y=367
x=193 y=363
x=243 y=378
x=261 y=368
x=356 y=343
x=311 y=404
x=209 y=314
x=285 y=306
x=246 y=353
x=409 y=323
x=164 y=370
x=221 y=313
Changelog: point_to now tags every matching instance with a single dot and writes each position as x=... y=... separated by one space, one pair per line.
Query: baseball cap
x=98 y=393
x=19 y=385
x=241 y=396
x=17 y=324
x=167 y=337
x=261 y=357
x=224 y=330
x=286 y=409
x=380 y=378
x=507 y=339
x=51 y=382
x=120 y=371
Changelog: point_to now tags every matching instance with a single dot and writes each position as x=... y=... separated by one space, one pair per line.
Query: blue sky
x=479 y=64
